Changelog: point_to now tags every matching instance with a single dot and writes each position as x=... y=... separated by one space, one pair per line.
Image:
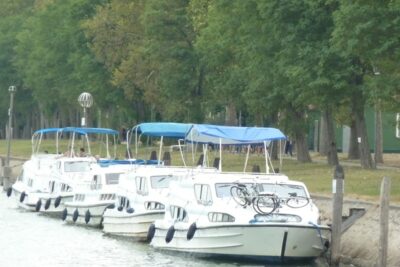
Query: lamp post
x=7 y=169
x=86 y=101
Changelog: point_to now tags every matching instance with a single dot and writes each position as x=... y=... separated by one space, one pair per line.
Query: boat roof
x=165 y=129
x=47 y=130
x=79 y=130
x=84 y=130
x=232 y=135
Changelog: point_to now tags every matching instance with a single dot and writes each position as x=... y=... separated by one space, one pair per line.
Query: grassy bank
x=359 y=183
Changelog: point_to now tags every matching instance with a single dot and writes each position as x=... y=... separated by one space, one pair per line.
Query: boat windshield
x=160 y=181
x=285 y=190
x=281 y=190
x=77 y=166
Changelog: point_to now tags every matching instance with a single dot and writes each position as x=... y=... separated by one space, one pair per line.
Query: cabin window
x=224 y=189
x=112 y=178
x=51 y=186
x=141 y=185
x=203 y=194
x=285 y=190
x=96 y=183
x=160 y=181
x=179 y=214
x=65 y=188
x=220 y=217
x=154 y=205
x=77 y=166
x=124 y=202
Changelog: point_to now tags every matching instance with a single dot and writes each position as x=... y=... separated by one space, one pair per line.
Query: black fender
x=38 y=205
x=191 y=231
x=9 y=191
x=111 y=206
x=120 y=208
x=87 y=216
x=130 y=210
x=47 y=204
x=151 y=232
x=22 y=197
x=57 y=201
x=75 y=215
x=64 y=214
x=170 y=234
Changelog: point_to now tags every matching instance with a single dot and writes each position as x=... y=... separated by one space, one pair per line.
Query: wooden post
x=384 y=221
x=337 y=190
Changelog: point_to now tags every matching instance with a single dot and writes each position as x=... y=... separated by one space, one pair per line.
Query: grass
x=359 y=183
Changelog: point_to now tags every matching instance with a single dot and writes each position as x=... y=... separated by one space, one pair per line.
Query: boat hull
x=77 y=213
x=269 y=243
x=134 y=225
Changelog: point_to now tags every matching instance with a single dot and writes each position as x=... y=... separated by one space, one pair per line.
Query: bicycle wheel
x=264 y=204
x=297 y=202
x=240 y=195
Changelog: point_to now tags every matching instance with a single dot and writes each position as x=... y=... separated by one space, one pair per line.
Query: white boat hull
x=51 y=208
x=77 y=213
x=134 y=225
x=270 y=243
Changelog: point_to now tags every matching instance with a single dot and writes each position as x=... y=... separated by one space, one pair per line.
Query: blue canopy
x=165 y=129
x=47 y=130
x=84 y=131
x=232 y=135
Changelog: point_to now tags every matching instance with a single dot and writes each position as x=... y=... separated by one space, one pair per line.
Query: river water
x=32 y=239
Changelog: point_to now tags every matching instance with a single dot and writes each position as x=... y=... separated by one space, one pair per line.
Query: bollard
x=337 y=208
x=384 y=222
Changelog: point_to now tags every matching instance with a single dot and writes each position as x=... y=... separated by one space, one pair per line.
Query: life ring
x=75 y=215
x=151 y=232
x=9 y=191
x=47 y=204
x=170 y=234
x=38 y=205
x=57 y=202
x=64 y=214
x=130 y=210
x=87 y=216
x=22 y=197
x=191 y=231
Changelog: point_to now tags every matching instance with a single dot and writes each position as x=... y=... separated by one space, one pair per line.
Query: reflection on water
x=30 y=239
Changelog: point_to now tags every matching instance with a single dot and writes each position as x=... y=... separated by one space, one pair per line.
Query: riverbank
x=359 y=244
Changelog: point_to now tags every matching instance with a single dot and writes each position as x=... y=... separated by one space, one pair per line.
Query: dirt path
x=359 y=244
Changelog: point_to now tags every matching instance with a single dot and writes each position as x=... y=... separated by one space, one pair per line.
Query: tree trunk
x=303 y=155
x=378 y=155
x=332 y=155
x=275 y=150
x=323 y=141
x=363 y=143
x=353 y=144
x=230 y=117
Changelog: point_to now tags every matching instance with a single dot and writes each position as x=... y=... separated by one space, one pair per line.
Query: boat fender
x=57 y=201
x=22 y=197
x=64 y=214
x=9 y=191
x=38 y=205
x=120 y=208
x=75 y=215
x=47 y=204
x=191 y=231
x=151 y=232
x=170 y=234
x=130 y=210
x=87 y=216
x=111 y=206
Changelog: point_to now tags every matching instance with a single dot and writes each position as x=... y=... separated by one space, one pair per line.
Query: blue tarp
x=165 y=129
x=232 y=135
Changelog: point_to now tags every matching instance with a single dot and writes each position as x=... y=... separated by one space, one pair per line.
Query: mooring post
x=384 y=221
x=337 y=190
